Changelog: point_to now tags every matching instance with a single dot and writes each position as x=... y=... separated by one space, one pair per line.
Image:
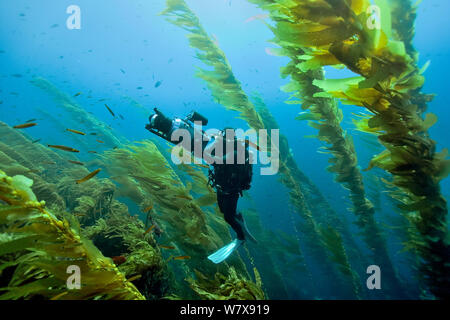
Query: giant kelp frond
x=227 y=91
x=225 y=88
x=39 y=248
x=231 y=287
x=335 y=245
x=310 y=42
x=387 y=87
x=146 y=169
x=78 y=115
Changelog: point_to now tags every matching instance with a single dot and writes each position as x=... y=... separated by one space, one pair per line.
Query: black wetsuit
x=230 y=180
x=228 y=206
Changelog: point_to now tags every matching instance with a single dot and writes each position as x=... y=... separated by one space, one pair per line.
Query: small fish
x=25 y=125
x=182 y=196
x=48 y=162
x=167 y=247
x=181 y=258
x=150 y=207
x=257 y=17
x=31 y=120
x=76 y=131
x=110 y=111
x=89 y=176
x=93 y=134
x=64 y=148
x=157 y=84
x=77 y=94
x=17 y=75
x=149 y=229
x=123 y=71
x=36 y=141
x=118 y=260
x=54 y=26
x=253 y=145
x=204 y=166
x=76 y=162
x=92 y=151
x=134 y=278
x=62 y=294
x=99 y=141
x=80 y=215
x=139 y=88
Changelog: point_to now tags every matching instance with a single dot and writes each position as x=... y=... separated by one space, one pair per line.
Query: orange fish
x=99 y=141
x=149 y=229
x=134 y=278
x=76 y=162
x=59 y=295
x=181 y=258
x=167 y=247
x=76 y=131
x=80 y=214
x=182 y=196
x=64 y=148
x=118 y=260
x=257 y=17
x=89 y=176
x=25 y=125
x=150 y=207
x=253 y=145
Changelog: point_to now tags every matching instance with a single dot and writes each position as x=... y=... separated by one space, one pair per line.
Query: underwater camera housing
x=163 y=127
x=194 y=116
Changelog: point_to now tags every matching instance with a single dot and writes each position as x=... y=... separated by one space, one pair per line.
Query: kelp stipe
x=306 y=43
x=227 y=91
x=387 y=87
x=37 y=249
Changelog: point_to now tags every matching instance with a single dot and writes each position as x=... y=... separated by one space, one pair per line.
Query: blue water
x=131 y=36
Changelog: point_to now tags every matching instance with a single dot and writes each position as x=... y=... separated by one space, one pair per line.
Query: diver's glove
x=158 y=122
x=224 y=252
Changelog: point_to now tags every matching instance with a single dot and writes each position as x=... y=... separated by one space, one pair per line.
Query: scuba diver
x=229 y=177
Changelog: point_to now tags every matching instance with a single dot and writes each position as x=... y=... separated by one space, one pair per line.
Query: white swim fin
x=224 y=252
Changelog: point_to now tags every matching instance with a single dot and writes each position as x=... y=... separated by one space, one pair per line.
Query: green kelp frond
x=335 y=245
x=232 y=287
x=388 y=89
x=225 y=88
x=121 y=235
x=78 y=115
x=38 y=249
x=144 y=167
x=312 y=40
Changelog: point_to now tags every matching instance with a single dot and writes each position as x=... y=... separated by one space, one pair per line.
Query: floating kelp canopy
x=331 y=33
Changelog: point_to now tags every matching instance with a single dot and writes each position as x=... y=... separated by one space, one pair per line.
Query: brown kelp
x=389 y=79
x=295 y=37
x=78 y=115
x=227 y=91
x=119 y=234
x=37 y=249
x=144 y=167
x=231 y=287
